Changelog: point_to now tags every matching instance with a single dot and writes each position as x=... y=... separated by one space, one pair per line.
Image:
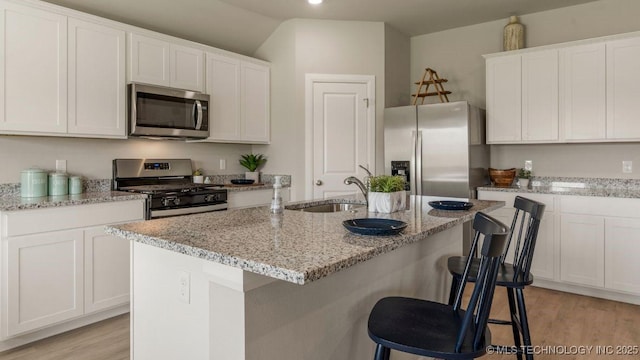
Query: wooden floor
x=106 y=340
x=558 y=320
x=570 y=323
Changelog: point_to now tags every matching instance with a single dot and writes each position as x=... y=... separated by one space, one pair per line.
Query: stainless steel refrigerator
x=439 y=148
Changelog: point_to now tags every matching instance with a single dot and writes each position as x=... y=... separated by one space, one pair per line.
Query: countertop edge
x=18 y=203
x=554 y=190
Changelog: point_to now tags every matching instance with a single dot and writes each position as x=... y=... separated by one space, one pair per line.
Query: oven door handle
x=198 y=113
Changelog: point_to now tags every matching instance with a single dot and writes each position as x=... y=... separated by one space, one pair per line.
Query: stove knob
x=165 y=202
x=176 y=201
x=209 y=198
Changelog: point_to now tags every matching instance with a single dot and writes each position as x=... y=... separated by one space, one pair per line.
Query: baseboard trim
x=587 y=291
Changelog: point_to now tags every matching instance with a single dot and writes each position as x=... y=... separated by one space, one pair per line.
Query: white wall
x=92 y=158
x=457 y=55
x=302 y=46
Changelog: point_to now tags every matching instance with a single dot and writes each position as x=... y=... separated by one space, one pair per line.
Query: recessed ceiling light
x=315 y=2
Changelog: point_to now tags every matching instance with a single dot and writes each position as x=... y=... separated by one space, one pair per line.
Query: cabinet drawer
x=15 y=223
x=590 y=205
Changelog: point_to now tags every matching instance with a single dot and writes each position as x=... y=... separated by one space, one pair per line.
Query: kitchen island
x=246 y=284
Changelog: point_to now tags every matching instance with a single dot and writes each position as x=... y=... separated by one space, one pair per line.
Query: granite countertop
x=15 y=202
x=602 y=187
x=95 y=191
x=296 y=246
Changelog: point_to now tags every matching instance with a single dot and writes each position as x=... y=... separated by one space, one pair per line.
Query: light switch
x=223 y=164
x=627 y=166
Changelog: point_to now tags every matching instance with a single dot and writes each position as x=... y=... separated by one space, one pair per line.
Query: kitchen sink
x=327 y=207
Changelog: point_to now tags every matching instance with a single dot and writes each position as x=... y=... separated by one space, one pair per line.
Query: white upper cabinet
x=540 y=96
x=96 y=79
x=623 y=89
x=159 y=62
x=583 y=92
x=522 y=98
x=504 y=99
x=187 y=68
x=223 y=87
x=239 y=104
x=255 y=102
x=33 y=75
x=61 y=76
x=149 y=60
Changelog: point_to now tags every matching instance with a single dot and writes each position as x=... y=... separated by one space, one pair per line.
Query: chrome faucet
x=354 y=180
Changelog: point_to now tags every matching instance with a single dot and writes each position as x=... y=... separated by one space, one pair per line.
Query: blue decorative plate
x=450 y=205
x=242 y=181
x=373 y=226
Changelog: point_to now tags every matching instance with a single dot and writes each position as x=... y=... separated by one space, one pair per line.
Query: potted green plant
x=523 y=177
x=387 y=193
x=252 y=162
x=198 y=176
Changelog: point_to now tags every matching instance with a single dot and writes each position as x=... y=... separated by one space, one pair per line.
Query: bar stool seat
x=428 y=328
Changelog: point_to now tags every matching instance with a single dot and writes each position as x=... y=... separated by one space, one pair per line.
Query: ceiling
x=243 y=25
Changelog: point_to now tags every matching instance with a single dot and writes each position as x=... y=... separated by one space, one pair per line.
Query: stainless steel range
x=167 y=182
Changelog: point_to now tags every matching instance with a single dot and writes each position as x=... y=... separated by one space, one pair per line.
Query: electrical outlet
x=184 y=287
x=223 y=164
x=528 y=165
x=61 y=166
x=627 y=166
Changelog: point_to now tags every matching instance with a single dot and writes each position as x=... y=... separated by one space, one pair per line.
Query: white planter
x=252 y=175
x=387 y=202
x=198 y=179
x=524 y=183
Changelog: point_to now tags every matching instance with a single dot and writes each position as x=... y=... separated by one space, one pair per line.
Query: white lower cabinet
x=45 y=279
x=60 y=266
x=587 y=245
x=582 y=249
x=106 y=270
x=622 y=244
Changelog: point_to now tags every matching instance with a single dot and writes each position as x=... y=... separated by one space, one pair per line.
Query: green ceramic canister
x=33 y=183
x=58 y=184
x=75 y=185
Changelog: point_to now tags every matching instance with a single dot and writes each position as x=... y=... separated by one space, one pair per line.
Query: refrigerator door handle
x=412 y=167
x=418 y=167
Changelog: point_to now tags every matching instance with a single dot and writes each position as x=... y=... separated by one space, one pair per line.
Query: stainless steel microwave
x=161 y=112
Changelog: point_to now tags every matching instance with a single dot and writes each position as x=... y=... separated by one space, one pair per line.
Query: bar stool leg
x=524 y=322
x=382 y=353
x=454 y=289
x=514 y=321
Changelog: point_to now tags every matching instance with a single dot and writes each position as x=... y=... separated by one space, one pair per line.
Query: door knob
x=318 y=182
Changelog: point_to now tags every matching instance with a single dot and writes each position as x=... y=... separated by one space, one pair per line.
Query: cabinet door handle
x=318 y=182
x=198 y=114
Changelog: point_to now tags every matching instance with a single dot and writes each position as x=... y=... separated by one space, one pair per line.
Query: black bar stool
x=514 y=277
x=438 y=330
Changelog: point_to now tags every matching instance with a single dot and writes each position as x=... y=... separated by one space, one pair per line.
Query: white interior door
x=341 y=109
